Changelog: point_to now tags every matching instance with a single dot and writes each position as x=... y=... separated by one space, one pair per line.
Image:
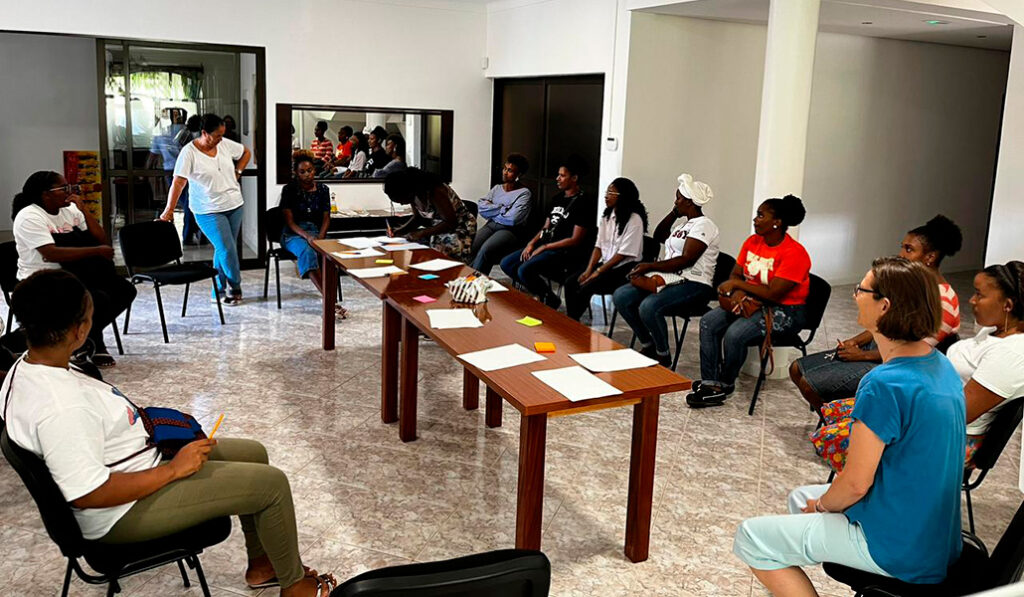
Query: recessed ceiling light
x=935 y=22
x=867 y=22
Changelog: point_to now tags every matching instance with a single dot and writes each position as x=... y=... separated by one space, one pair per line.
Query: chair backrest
x=817 y=300
x=1007 y=562
x=650 y=250
x=723 y=269
x=503 y=573
x=274 y=224
x=999 y=434
x=8 y=266
x=149 y=244
x=57 y=516
x=948 y=341
x=472 y=207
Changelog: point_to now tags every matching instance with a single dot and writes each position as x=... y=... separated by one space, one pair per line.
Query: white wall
x=1006 y=241
x=435 y=65
x=37 y=124
x=898 y=132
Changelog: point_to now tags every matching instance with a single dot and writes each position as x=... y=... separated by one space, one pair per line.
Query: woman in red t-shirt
x=771 y=267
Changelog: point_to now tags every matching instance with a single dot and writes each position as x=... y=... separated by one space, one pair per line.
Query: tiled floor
x=366 y=500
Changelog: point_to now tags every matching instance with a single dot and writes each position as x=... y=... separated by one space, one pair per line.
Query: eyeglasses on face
x=858 y=289
x=70 y=189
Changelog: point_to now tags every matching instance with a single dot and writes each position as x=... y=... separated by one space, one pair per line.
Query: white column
x=1005 y=241
x=785 y=98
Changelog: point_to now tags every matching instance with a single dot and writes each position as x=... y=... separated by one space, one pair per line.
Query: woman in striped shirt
x=835 y=374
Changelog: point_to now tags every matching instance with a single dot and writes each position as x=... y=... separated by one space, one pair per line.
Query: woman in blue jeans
x=306 y=210
x=211 y=166
x=682 y=278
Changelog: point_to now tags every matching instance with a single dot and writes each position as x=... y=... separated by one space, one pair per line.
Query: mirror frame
x=283 y=139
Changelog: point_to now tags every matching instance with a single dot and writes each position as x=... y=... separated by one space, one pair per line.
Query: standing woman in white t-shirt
x=686 y=272
x=53 y=230
x=212 y=165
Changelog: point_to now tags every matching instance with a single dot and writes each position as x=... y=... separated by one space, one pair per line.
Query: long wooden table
x=405 y=318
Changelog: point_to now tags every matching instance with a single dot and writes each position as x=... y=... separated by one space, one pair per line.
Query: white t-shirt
x=630 y=243
x=77 y=425
x=212 y=185
x=34 y=228
x=995 y=363
x=704 y=230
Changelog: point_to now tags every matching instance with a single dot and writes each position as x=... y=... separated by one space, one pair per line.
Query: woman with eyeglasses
x=54 y=230
x=834 y=374
x=895 y=508
x=506 y=207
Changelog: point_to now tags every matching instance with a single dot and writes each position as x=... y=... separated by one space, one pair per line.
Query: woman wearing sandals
x=78 y=424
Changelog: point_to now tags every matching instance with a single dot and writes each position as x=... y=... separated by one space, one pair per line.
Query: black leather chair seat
x=112 y=559
x=185 y=273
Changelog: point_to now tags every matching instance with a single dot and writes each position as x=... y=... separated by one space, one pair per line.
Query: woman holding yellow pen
x=95 y=447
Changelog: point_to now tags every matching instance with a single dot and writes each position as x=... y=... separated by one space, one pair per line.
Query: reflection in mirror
x=357 y=144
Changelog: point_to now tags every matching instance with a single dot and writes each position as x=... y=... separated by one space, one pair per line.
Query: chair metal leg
x=831 y=475
x=220 y=310
x=970 y=509
x=113 y=587
x=277 y=279
x=10 y=317
x=160 y=308
x=202 y=577
x=67 y=581
x=679 y=339
x=127 y=316
x=340 y=297
x=266 y=279
x=184 y=575
x=611 y=324
x=632 y=341
x=184 y=302
x=604 y=309
x=117 y=337
x=757 y=386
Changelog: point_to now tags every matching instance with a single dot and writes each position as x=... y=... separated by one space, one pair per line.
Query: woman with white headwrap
x=682 y=277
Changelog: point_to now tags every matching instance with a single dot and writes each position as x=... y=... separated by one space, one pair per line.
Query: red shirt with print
x=788 y=260
x=323 y=150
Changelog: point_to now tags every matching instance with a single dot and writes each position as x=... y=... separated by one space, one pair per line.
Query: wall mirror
x=354 y=144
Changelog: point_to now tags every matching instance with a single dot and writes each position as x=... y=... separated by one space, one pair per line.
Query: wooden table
x=403 y=320
x=536 y=401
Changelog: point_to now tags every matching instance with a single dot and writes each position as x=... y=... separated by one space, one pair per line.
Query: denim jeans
x=724 y=339
x=305 y=256
x=222 y=229
x=531 y=273
x=832 y=379
x=492 y=242
x=577 y=298
x=645 y=311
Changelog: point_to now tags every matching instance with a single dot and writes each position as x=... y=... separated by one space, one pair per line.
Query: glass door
x=154 y=96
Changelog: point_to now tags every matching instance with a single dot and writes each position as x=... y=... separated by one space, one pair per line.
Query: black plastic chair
x=111 y=562
x=975 y=571
x=948 y=341
x=154 y=246
x=8 y=275
x=274 y=227
x=996 y=437
x=817 y=301
x=503 y=573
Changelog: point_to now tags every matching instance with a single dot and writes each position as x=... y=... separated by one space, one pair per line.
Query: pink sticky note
x=424 y=299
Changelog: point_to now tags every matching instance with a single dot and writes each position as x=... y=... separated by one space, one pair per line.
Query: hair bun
x=944 y=235
x=793 y=210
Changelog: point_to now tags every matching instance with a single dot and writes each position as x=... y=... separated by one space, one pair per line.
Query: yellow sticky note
x=529 y=321
x=544 y=346
x=385 y=261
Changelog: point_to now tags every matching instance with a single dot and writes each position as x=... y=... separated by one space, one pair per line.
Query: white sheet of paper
x=501 y=357
x=357 y=253
x=404 y=247
x=576 y=383
x=613 y=360
x=447 y=319
x=436 y=265
x=359 y=242
x=496 y=287
x=384 y=240
x=375 y=272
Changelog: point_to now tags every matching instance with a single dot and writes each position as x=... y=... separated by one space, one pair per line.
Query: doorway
x=547 y=119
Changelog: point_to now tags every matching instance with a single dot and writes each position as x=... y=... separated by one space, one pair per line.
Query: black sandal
x=103 y=360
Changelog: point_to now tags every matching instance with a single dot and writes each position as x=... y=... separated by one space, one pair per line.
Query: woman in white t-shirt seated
x=54 y=230
x=683 y=277
x=620 y=244
x=96 y=448
x=991 y=364
x=212 y=166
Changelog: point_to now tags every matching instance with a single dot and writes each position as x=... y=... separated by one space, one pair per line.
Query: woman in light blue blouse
x=895 y=508
x=506 y=209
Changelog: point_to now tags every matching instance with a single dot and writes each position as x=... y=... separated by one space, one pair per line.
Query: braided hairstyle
x=941 y=235
x=1010 y=279
x=48 y=304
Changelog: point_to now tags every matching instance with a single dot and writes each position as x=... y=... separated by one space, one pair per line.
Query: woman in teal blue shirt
x=895 y=508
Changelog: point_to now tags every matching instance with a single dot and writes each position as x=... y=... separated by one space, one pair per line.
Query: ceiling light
x=934 y=22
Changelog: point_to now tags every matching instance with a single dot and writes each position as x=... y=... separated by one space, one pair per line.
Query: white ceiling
x=895 y=19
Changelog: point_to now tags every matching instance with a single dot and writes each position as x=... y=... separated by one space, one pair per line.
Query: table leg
x=493 y=415
x=391 y=331
x=641 y=478
x=329 y=283
x=530 y=501
x=410 y=369
x=470 y=390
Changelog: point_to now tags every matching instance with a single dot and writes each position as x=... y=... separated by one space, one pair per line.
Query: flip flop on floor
x=273 y=582
x=341 y=312
x=326 y=584
x=103 y=360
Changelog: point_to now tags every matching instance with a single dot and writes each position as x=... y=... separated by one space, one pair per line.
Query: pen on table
x=216 y=425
